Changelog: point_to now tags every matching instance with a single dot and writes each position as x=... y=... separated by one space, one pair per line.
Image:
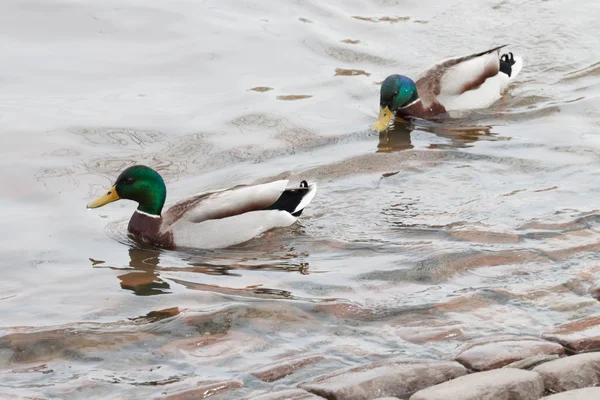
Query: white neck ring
x=147 y=215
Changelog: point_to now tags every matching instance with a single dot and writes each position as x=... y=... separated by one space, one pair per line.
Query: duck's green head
x=138 y=183
x=397 y=91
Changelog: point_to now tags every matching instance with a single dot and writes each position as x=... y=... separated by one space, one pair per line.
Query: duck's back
x=224 y=218
x=467 y=82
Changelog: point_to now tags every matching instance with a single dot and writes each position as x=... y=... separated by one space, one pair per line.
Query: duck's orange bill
x=109 y=197
x=385 y=115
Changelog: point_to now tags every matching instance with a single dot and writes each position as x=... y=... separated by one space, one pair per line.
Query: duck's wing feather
x=225 y=203
x=458 y=75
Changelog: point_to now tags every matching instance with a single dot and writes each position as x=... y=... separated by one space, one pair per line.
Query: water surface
x=418 y=239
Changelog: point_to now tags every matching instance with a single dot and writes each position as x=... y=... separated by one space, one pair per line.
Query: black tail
x=289 y=199
x=506 y=63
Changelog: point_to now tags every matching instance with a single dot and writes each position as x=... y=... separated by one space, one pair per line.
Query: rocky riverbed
x=563 y=364
x=566 y=366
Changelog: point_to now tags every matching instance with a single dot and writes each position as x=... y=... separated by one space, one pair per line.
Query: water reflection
x=143 y=273
x=144 y=280
x=398 y=136
x=459 y=136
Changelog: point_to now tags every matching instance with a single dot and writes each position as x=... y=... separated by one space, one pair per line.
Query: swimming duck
x=207 y=220
x=460 y=83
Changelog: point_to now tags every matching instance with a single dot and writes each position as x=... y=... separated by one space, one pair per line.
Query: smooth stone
x=579 y=336
x=568 y=373
x=500 y=384
x=42 y=346
x=397 y=378
x=291 y=394
x=426 y=334
x=531 y=362
x=204 y=389
x=592 y=393
x=282 y=368
x=498 y=351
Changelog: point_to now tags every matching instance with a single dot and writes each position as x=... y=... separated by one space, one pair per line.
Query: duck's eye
x=395 y=93
x=129 y=181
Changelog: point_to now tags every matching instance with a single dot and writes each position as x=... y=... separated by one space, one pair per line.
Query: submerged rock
x=398 y=377
x=291 y=394
x=530 y=362
x=419 y=328
x=204 y=390
x=578 y=336
x=285 y=367
x=569 y=373
x=498 y=351
x=67 y=343
x=505 y=384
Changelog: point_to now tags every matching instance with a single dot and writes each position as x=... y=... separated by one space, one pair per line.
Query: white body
x=454 y=78
x=201 y=226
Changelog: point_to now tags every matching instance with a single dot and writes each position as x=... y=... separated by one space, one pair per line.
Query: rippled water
x=418 y=239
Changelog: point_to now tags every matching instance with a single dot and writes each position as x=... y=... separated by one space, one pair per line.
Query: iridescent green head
x=138 y=183
x=397 y=91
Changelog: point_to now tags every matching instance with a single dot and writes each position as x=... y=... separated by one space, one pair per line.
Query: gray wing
x=225 y=203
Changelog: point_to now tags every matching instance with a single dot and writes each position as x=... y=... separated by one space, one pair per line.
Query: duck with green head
x=460 y=83
x=207 y=220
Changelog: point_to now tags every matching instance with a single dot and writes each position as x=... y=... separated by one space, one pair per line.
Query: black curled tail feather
x=290 y=199
x=506 y=63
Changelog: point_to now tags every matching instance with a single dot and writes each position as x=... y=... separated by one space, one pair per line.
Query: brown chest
x=420 y=111
x=150 y=229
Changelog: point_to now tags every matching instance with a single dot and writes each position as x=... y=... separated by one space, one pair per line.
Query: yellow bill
x=109 y=197
x=385 y=115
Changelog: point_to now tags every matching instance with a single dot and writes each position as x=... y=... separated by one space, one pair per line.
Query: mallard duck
x=461 y=83
x=207 y=220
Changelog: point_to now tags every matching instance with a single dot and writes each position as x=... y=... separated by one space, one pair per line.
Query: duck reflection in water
x=144 y=280
x=398 y=136
x=143 y=275
x=395 y=138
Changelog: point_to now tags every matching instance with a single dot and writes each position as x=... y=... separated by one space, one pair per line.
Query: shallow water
x=417 y=240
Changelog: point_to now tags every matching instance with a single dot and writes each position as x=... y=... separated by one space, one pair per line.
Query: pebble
x=578 y=336
x=569 y=373
x=500 y=384
x=592 y=393
x=498 y=351
x=398 y=377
